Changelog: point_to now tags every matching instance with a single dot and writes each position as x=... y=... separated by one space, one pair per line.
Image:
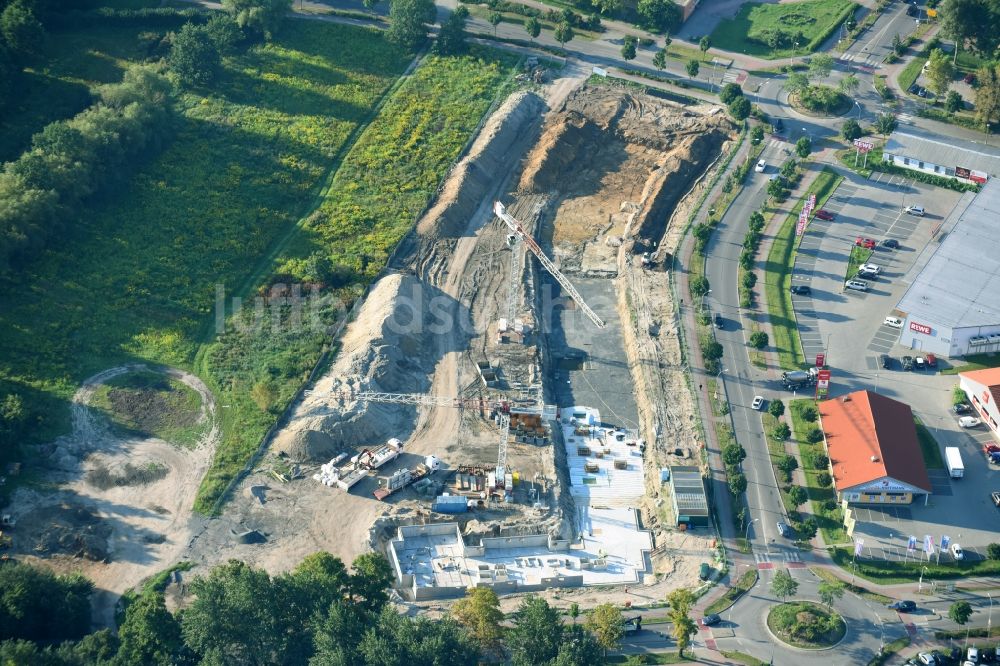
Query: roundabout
x=806 y=625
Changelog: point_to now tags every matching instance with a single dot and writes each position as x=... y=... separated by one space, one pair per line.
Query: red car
x=824 y=214
x=866 y=243
x=990 y=448
x=931 y=361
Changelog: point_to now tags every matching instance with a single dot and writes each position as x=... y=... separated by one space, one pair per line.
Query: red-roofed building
x=983 y=389
x=874 y=452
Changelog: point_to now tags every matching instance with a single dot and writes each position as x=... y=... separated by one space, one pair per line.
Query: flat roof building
x=688 y=496
x=952 y=158
x=952 y=308
x=874 y=452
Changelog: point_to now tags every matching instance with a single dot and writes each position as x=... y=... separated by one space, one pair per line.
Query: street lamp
x=989 y=617
x=920 y=583
x=858 y=104
x=746 y=536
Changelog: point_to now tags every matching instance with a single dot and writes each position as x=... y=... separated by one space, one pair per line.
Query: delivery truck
x=953 y=458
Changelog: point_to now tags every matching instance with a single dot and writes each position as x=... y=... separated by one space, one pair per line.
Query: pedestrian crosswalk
x=767 y=560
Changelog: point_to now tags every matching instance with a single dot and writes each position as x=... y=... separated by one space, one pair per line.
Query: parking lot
x=849 y=327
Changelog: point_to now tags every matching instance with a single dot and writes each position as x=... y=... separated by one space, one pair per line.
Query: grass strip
x=859 y=256
x=778 y=275
x=827 y=512
x=891 y=572
x=743 y=584
x=862 y=592
x=974 y=362
x=743 y=658
x=889 y=650
x=771 y=31
x=929 y=448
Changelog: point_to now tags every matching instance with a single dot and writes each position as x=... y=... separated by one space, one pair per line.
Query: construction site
x=507 y=393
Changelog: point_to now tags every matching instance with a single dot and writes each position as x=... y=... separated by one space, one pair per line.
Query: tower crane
x=529 y=241
x=501 y=407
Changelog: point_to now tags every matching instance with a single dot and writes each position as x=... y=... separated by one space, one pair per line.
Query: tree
x=939 y=72
x=451 y=37
x=699 y=285
x=574 y=611
x=849 y=85
x=960 y=612
x=397 y=640
x=21 y=31
x=681 y=600
x=370 y=5
x=534 y=27
x=756 y=135
x=781 y=432
x=803 y=147
x=479 y=611
x=787 y=464
x=796 y=82
x=660 y=60
x=831 y=591
x=662 y=15
x=692 y=68
x=258 y=18
x=993 y=551
x=729 y=92
x=897 y=45
x=564 y=34
x=821 y=65
x=954 y=102
x=704 y=44
x=37 y=605
x=823 y=479
x=370 y=578
x=224 y=33
x=775 y=188
x=737 y=484
x=740 y=109
x=628 y=48
x=972 y=22
x=987 y=94
x=194 y=56
x=798 y=495
x=758 y=340
x=150 y=634
x=608 y=7
x=712 y=351
x=783 y=585
x=579 y=648
x=495 y=19
x=733 y=454
x=776 y=408
x=536 y=634
x=407 y=19
x=851 y=130
x=607 y=625
x=885 y=124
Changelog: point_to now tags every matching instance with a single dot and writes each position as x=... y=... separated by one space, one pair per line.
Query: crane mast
x=529 y=241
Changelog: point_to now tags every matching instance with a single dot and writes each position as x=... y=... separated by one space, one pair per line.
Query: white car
x=895 y=322
x=957 y=552
x=870 y=268
x=972 y=655
x=758 y=402
x=969 y=422
x=927 y=658
x=856 y=285
x=915 y=210
x=761 y=165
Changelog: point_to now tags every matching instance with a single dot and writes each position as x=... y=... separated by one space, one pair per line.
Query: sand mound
x=388 y=348
x=474 y=175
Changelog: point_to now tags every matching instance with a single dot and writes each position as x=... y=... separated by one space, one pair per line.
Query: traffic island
x=806 y=625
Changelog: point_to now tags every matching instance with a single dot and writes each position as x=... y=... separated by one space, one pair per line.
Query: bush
x=737 y=484
x=809 y=414
x=851 y=130
x=781 y=432
x=993 y=551
x=814 y=436
x=739 y=109
x=824 y=479
x=787 y=464
x=749 y=280
x=954 y=102
x=776 y=408
x=730 y=92
x=711 y=351
x=758 y=340
x=798 y=495
x=733 y=454
x=700 y=286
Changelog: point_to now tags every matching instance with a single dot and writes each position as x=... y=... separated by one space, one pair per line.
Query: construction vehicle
x=367 y=461
x=404 y=477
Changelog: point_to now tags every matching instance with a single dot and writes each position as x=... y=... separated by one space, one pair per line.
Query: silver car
x=856 y=285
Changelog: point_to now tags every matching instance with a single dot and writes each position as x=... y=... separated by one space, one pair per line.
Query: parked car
x=921 y=92
x=719 y=321
x=886 y=361
x=904 y=605
x=969 y=421
x=761 y=166
x=957 y=552
x=931 y=360
x=913 y=89
x=915 y=210
x=961 y=408
x=895 y=322
x=866 y=275
x=801 y=289
x=867 y=243
x=710 y=620
x=890 y=243
x=825 y=214
x=758 y=402
x=784 y=530
x=856 y=285
x=907 y=363
x=927 y=659
x=704 y=571
x=972 y=655
x=919 y=363
x=870 y=268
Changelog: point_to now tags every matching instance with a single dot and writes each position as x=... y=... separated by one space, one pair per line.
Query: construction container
x=451 y=504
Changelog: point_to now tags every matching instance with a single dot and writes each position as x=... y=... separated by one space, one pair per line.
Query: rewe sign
x=920 y=328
